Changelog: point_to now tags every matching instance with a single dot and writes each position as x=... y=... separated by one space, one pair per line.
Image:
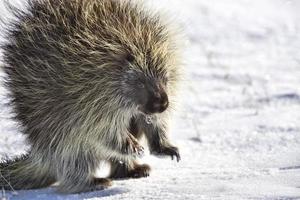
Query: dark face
x=148 y=93
x=153 y=98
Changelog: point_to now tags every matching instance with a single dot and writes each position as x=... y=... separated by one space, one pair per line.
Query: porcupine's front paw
x=169 y=151
x=133 y=147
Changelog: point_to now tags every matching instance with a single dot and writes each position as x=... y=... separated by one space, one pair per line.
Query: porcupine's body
x=82 y=75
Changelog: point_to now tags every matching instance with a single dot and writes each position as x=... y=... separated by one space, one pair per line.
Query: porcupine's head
x=148 y=88
x=139 y=52
x=150 y=66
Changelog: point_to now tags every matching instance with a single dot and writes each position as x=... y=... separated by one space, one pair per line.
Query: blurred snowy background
x=238 y=124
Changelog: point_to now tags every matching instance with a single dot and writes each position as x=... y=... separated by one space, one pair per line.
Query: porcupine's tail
x=24 y=172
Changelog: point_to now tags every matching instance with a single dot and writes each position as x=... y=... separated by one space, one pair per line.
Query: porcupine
x=82 y=75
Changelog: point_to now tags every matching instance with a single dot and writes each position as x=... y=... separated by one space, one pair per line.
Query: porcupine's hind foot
x=131 y=170
x=102 y=183
x=139 y=171
x=79 y=187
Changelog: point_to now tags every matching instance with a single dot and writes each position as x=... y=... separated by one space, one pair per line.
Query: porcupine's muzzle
x=158 y=102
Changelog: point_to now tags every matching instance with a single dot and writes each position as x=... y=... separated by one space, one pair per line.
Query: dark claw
x=170 y=151
x=178 y=157
x=133 y=147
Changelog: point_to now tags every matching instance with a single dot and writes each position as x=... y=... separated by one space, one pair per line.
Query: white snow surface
x=238 y=121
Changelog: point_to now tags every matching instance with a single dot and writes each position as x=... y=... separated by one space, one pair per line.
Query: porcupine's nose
x=160 y=102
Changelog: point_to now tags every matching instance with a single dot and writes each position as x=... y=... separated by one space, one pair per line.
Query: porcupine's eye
x=141 y=85
x=129 y=57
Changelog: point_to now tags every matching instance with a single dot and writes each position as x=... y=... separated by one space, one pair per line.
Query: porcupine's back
x=64 y=59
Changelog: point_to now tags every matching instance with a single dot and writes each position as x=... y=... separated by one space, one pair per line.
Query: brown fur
x=82 y=75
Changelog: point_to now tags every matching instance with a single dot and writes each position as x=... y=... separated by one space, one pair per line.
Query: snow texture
x=238 y=123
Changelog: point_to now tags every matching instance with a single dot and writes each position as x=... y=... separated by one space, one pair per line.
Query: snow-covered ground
x=238 y=124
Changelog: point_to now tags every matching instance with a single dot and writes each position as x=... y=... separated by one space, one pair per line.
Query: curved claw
x=178 y=157
x=133 y=147
x=170 y=151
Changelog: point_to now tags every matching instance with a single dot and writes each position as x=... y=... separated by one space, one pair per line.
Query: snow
x=238 y=123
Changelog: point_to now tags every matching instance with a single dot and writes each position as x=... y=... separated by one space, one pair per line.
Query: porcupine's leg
x=131 y=169
x=76 y=173
x=158 y=141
